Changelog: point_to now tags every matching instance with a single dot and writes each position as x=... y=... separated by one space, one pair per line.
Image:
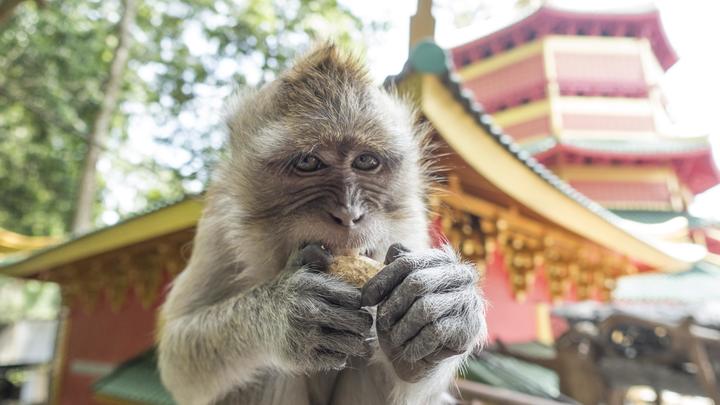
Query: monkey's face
x=345 y=186
x=325 y=156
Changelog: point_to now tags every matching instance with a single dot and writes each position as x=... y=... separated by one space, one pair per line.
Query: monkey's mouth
x=353 y=252
x=344 y=251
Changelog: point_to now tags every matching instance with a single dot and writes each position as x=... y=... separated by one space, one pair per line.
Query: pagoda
x=580 y=92
x=534 y=238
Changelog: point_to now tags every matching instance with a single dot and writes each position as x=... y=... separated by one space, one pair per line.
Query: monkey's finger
x=385 y=281
x=395 y=251
x=331 y=359
x=423 y=311
x=331 y=290
x=425 y=343
x=358 y=322
x=347 y=343
x=402 y=297
x=314 y=257
x=441 y=355
x=412 y=372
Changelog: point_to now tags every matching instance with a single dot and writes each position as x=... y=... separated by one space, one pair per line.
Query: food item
x=354 y=268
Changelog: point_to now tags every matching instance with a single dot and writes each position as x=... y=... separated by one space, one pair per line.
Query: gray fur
x=253 y=319
x=429 y=310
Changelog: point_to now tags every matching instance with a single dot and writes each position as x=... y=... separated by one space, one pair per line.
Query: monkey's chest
x=358 y=384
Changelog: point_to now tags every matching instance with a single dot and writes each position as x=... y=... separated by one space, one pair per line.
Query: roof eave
x=443 y=97
x=163 y=221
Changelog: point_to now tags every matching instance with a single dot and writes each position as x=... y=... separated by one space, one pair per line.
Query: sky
x=692 y=85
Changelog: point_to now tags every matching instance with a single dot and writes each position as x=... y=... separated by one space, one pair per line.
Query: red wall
x=597 y=74
x=104 y=337
x=507 y=318
x=527 y=129
x=510 y=85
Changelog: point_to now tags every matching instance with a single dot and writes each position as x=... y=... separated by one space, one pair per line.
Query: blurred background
x=586 y=189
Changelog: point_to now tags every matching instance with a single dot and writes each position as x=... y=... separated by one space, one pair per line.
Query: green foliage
x=27 y=299
x=187 y=56
x=49 y=66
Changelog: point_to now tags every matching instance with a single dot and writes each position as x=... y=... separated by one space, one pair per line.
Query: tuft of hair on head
x=326 y=61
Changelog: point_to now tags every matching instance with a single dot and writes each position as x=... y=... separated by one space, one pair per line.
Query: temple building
x=580 y=92
x=556 y=145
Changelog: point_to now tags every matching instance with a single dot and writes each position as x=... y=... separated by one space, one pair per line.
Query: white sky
x=692 y=85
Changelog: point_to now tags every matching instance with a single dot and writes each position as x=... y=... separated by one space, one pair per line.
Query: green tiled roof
x=513 y=374
x=539 y=146
x=698 y=285
x=654 y=217
x=534 y=349
x=136 y=381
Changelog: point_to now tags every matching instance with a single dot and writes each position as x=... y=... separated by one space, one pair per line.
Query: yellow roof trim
x=176 y=217
x=615 y=173
x=11 y=241
x=493 y=162
x=501 y=60
x=523 y=113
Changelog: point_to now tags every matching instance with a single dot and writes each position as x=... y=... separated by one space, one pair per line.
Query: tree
x=187 y=56
x=82 y=221
x=49 y=63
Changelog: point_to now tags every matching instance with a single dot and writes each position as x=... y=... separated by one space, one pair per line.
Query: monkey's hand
x=428 y=309
x=326 y=323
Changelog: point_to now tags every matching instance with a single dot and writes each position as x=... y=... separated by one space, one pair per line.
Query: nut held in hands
x=354 y=268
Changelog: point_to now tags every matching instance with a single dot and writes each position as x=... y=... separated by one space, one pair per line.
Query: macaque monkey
x=320 y=162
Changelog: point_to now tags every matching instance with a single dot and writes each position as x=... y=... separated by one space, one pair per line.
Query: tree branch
x=87 y=187
x=7 y=7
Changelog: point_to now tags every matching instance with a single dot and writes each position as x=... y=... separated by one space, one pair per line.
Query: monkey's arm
x=208 y=347
x=430 y=317
x=205 y=353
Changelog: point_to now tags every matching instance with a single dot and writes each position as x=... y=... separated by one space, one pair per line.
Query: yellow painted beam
x=609 y=173
x=489 y=159
x=497 y=62
x=166 y=220
x=552 y=88
x=543 y=324
x=523 y=113
x=481 y=208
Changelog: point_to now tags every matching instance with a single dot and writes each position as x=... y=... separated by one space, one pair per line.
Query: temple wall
x=98 y=339
x=509 y=319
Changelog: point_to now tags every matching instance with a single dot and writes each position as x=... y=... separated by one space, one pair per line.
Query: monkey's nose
x=346 y=217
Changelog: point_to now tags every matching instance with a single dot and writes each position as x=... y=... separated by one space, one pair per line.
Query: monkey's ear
x=235 y=106
x=245 y=113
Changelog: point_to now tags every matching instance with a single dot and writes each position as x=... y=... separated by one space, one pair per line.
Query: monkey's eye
x=309 y=163
x=366 y=162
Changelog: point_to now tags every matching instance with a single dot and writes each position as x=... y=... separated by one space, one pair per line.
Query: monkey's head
x=323 y=155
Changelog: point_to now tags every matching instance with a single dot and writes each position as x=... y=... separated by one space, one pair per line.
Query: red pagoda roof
x=556 y=18
x=691 y=157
